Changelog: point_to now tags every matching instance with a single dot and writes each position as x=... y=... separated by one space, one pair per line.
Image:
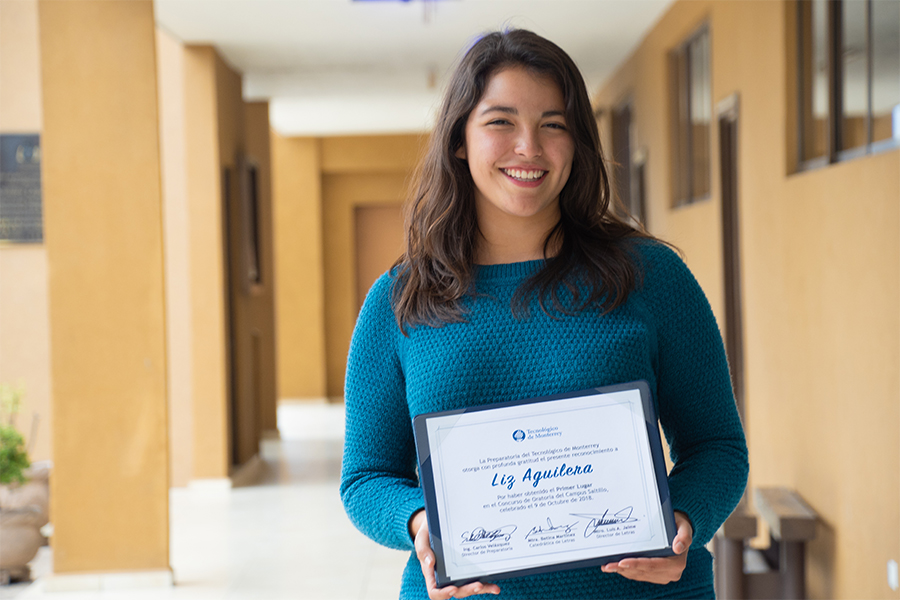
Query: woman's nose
x=528 y=143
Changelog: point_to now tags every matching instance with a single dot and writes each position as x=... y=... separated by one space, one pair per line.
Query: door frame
x=728 y=123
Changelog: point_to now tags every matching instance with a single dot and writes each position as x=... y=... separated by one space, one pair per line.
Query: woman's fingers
x=652 y=570
x=659 y=570
x=473 y=589
x=426 y=561
x=684 y=536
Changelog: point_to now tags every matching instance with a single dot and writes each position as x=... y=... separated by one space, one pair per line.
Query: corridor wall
x=24 y=316
x=318 y=183
x=103 y=231
x=299 y=300
x=104 y=313
x=821 y=285
x=232 y=317
x=177 y=244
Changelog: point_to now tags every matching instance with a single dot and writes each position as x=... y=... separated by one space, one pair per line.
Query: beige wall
x=121 y=250
x=229 y=315
x=25 y=341
x=238 y=128
x=20 y=67
x=821 y=289
x=342 y=194
x=258 y=149
x=170 y=70
x=24 y=319
x=243 y=135
x=24 y=323
x=210 y=415
x=230 y=137
x=103 y=226
x=694 y=228
x=319 y=183
x=299 y=300
x=357 y=171
x=379 y=240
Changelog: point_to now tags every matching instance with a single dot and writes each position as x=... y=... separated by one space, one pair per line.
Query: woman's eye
x=556 y=126
x=499 y=122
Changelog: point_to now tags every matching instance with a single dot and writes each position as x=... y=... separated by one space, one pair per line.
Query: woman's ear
x=461 y=151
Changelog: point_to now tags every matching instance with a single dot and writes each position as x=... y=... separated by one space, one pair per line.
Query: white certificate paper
x=540 y=484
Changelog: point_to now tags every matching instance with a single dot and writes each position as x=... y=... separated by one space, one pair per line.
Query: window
x=21 y=218
x=627 y=168
x=639 y=186
x=691 y=111
x=621 y=151
x=254 y=259
x=849 y=79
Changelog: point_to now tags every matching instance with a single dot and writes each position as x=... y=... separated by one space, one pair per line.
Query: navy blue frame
x=426 y=479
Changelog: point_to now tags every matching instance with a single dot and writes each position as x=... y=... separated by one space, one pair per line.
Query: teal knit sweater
x=665 y=334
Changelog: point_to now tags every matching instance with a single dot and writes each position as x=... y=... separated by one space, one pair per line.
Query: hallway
x=286 y=537
x=190 y=195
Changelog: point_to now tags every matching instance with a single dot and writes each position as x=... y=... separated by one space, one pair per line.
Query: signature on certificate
x=480 y=534
x=596 y=522
x=550 y=528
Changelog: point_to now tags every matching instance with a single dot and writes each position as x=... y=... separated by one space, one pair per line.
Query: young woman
x=517 y=281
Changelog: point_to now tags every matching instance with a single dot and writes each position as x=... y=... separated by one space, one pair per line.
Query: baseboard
x=270 y=434
x=270 y=448
x=248 y=473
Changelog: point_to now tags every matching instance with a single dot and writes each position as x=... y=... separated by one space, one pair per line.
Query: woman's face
x=518 y=148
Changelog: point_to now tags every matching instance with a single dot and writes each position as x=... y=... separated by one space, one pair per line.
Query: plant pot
x=34 y=492
x=24 y=510
x=22 y=538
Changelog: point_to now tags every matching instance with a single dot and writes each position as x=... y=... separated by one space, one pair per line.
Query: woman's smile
x=525 y=175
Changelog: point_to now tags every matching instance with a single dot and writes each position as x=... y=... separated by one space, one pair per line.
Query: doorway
x=728 y=116
x=379 y=242
x=245 y=299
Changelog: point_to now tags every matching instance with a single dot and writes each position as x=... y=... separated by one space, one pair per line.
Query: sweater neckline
x=508 y=271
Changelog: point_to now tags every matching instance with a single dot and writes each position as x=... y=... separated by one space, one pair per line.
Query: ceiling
x=335 y=67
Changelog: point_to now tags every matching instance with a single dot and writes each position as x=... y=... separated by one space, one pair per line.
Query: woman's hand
x=658 y=570
x=418 y=526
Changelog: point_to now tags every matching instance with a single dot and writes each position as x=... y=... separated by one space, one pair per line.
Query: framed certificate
x=544 y=484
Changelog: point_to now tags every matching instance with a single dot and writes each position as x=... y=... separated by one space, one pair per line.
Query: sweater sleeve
x=694 y=395
x=379 y=486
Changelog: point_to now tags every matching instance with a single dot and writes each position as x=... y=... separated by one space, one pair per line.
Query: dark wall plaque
x=20 y=188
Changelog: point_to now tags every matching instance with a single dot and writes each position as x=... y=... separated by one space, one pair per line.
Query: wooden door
x=379 y=242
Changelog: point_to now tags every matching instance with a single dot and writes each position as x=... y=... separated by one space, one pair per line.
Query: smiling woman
x=519 y=152
x=518 y=99
x=517 y=282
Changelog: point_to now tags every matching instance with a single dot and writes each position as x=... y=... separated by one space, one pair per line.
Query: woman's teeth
x=524 y=175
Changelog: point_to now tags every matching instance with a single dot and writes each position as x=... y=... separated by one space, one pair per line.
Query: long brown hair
x=437 y=267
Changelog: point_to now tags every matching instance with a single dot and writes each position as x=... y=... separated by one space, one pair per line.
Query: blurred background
x=197 y=194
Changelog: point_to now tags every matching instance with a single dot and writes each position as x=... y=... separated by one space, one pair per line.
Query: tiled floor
x=287 y=537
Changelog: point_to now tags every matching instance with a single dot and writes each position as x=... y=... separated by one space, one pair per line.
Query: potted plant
x=24 y=494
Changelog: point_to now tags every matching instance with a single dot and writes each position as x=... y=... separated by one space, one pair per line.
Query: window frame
x=834 y=152
x=253 y=273
x=621 y=156
x=682 y=139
